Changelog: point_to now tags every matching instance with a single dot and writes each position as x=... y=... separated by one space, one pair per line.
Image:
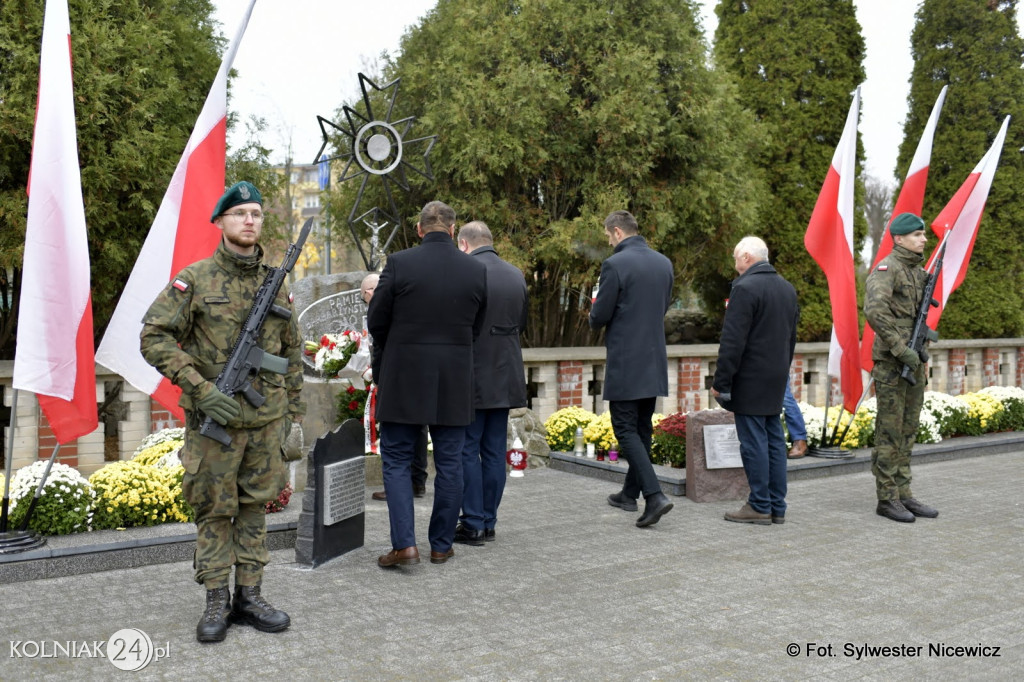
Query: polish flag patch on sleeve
x=179 y=285
x=882 y=268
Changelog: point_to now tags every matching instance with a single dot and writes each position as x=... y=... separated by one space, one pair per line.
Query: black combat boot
x=213 y=626
x=250 y=608
x=919 y=508
x=894 y=509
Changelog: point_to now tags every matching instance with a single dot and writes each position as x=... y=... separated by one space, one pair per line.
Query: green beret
x=239 y=193
x=905 y=223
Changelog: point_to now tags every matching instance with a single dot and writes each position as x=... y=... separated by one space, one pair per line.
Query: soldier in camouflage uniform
x=894 y=292
x=188 y=335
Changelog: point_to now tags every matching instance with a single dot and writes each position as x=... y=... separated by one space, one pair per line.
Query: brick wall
x=558 y=377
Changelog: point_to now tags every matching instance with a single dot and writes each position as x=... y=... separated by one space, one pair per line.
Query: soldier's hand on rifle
x=910 y=358
x=215 y=404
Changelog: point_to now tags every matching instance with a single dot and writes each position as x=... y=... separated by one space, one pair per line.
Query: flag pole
x=867 y=389
x=7 y=463
x=831 y=450
x=39 y=488
x=14 y=540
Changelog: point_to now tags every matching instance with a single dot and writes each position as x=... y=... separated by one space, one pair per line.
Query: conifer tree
x=141 y=72
x=974 y=47
x=797 y=63
x=551 y=115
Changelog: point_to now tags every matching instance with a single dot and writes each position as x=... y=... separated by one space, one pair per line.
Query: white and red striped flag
x=53 y=357
x=181 y=234
x=962 y=215
x=829 y=240
x=910 y=200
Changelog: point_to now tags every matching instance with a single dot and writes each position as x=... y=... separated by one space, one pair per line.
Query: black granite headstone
x=333 y=520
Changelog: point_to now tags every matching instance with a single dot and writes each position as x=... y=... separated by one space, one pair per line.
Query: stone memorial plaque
x=333 y=518
x=722 y=447
x=332 y=314
x=704 y=484
x=344 y=484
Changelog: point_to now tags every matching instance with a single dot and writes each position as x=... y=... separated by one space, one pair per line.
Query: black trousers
x=631 y=421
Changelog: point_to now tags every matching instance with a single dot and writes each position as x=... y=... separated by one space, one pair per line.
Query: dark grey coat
x=635 y=291
x=497 y=356
x=758 y=338
x=428 y=307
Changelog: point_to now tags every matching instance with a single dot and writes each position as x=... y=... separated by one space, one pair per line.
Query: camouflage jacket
x=189 y=331
x=894 y=291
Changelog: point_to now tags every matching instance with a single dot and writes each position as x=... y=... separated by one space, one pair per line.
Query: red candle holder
x=516 y=458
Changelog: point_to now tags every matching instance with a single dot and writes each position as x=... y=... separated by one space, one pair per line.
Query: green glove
x=910 y=358
x=216 y=405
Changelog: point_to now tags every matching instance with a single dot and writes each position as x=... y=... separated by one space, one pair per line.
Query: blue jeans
x=763 y=450
x=397 y=451
x=631 y=421
x=483 y=468
x=794 y=419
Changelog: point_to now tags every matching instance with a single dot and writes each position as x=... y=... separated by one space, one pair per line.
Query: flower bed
x=668 y=442
x=997 y=408
x=142 y=491
x=64 y=507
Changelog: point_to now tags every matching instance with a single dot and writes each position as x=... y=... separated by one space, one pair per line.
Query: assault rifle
x=247 y=358
x=922 y=332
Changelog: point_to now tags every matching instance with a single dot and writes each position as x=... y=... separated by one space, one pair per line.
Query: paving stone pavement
x=572 y=590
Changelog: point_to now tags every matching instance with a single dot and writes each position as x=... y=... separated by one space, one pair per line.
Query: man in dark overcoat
x=634 y=293
x=754 y=354
x=499 y=382
x=428 y=307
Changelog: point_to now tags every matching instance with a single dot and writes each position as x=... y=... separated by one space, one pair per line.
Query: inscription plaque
x=332 y=314
x=344 y=485
x=722 y=447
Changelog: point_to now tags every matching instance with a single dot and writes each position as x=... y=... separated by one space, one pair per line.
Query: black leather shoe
x=419 y=490
x=778 y=520
x=213 y=626
x=467 y=536
x=918 y=509
x=252 y=609
x=622 y=502
x=657 y=506
x=894 y=509
x=488 y=535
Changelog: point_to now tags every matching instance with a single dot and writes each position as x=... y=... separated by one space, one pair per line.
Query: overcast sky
x=300 y=58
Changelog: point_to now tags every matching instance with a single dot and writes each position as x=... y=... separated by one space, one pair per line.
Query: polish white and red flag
x=54 y=353
x=829 y=240
x=181 y=234
x=910 y=200
x=963 y=215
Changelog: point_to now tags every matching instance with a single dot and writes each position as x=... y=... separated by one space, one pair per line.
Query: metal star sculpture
x=377 y=148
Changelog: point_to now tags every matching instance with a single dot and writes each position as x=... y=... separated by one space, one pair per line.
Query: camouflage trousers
x=899 y=412
x=228 y=486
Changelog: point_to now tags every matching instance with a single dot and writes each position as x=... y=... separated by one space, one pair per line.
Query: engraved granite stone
x=704 y=484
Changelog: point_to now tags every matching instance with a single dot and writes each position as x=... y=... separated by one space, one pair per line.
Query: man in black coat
x=500 y=384
x=428 y=307
x=756 y=349
x=419 y=463
x=634 y=293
